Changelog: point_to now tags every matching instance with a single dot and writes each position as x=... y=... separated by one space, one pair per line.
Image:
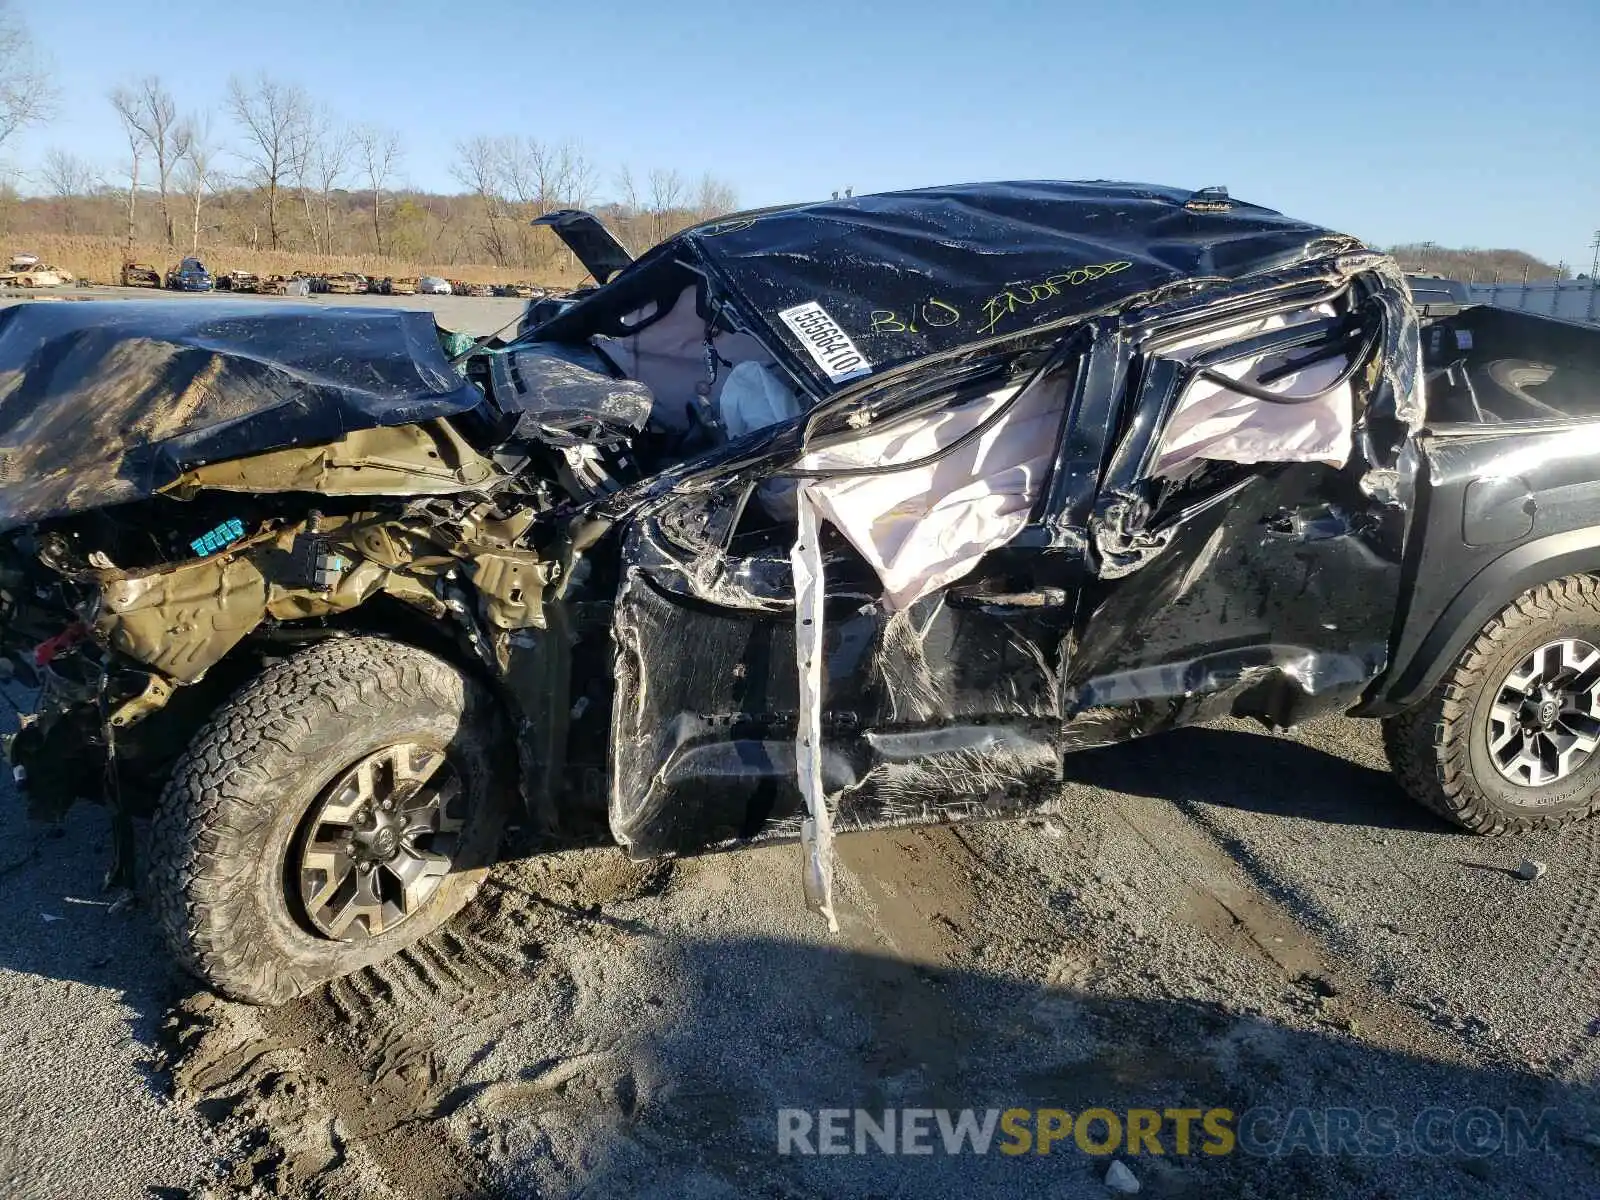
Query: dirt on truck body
x=834 y=517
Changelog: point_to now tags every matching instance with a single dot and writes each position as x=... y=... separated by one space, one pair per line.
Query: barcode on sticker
x=829 y=346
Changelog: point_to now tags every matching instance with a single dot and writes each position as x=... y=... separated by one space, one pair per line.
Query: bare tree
x=27 y=95
x=379 y=153
x=196 y=171
x=629 y=209
x=543 y=177
x=274 y=117
x=713 y=197
x=126 y=102
x=68 y=178
x=581 y=175
x=627 y=189
x=478 y=166
x=321 y=159
x=666 y=194
x=150 y=109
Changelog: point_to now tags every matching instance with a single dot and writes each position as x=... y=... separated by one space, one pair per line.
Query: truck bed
x=1489 y=366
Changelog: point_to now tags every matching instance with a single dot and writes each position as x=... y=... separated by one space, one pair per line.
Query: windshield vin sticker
x=827 y=344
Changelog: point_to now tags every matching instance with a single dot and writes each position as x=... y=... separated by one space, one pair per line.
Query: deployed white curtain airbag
x=1214 y=423
x=926 y=527
x=921 y=529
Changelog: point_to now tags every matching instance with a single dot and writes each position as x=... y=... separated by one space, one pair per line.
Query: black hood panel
x=102 y=402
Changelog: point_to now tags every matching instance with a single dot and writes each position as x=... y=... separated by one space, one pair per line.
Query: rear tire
x=1451 y=752
x=232 y=834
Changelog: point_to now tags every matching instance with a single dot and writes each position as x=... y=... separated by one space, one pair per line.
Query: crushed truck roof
x=900 y=275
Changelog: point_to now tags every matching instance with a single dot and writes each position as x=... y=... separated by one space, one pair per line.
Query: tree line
x=277 y=169
x=1472 y=265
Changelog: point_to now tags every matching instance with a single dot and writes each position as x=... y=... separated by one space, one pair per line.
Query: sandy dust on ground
x=1217 y=919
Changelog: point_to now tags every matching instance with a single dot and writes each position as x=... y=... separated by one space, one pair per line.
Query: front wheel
x=343 y=804
x=1509 y=740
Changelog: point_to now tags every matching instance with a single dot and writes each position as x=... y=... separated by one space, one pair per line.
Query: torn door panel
x=707 y=704
x=1236 y=576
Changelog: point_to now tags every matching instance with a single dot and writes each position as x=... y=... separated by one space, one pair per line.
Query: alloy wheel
x=1545 y=720
x=379 y=842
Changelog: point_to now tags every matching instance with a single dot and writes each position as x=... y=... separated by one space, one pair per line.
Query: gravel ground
x=1217 y=918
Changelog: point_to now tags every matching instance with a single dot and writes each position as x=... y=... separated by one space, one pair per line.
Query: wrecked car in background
x=519 y=291
x=286 y=285
x=834 y=517
x=190 y=275
x=239 y=281
x=37 y=275
x=140 y=275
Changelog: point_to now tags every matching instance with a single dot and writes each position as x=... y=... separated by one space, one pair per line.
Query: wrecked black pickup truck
x=824 y=518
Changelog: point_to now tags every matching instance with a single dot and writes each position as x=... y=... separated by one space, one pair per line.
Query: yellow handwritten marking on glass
x=935 y=314
x=997 y=308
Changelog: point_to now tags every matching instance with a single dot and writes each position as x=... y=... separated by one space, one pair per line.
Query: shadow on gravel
x=1255 y=771
x=64 y=926
x=687 y=1103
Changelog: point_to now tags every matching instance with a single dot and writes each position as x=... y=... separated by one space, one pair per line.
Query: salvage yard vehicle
x=285 y=285
x=36 y=276
x=239 y=281
x=832 y=517
x=345 y=284
x=402 y=287
x=432 y=285
x=140 y=275
x=190 y=275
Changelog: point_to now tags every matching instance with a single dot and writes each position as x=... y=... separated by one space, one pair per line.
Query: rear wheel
x=1510 y=738
x=341 y=805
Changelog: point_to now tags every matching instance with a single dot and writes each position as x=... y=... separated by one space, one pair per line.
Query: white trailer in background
x=1570 y=299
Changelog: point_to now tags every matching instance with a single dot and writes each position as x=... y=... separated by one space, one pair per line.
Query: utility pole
x=1594 y=267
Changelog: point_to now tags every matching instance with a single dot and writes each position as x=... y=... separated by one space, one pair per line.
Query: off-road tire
x=1439 y=749
x=223 y=828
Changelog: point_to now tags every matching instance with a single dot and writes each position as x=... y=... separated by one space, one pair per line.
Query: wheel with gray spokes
x=373 y=852
x=1544 y=722
x=344 y=803
x=1508 y=739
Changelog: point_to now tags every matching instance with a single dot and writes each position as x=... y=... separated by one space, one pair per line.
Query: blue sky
x=1465 y=123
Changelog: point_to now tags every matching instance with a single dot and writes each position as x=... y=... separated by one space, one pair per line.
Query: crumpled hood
x=103 y=402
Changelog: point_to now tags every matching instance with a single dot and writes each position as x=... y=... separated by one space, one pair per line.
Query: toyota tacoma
x=822 y=518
